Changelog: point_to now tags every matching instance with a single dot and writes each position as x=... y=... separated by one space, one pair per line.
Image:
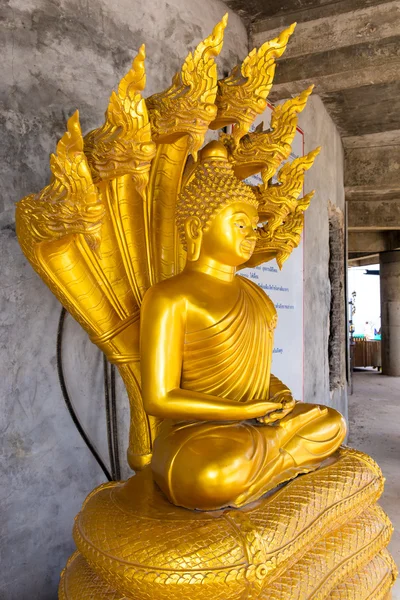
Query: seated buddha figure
x=231 y=431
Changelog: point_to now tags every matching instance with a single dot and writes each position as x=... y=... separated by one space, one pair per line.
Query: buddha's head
x=216 y=212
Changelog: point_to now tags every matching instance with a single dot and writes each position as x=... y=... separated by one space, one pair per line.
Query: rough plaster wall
x=326 y=177
x=337 y=339
x=59 y=55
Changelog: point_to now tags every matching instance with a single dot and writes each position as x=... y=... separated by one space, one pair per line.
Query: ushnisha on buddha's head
x=216 y=212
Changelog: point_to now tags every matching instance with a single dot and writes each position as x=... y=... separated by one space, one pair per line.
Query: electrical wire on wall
x=114 y=474
x=111 y=416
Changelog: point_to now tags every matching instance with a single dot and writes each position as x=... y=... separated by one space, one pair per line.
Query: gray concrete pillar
x=390 y=312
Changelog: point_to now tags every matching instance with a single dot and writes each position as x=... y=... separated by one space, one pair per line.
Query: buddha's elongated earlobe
x=194 y=236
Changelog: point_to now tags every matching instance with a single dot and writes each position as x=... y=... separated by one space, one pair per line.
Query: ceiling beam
x=372 y=241
x=372 y=182
x=372 y=167
x=262 y=15
x=349 y=50
x=373 y=215
x=370 y=24
x=366 y=261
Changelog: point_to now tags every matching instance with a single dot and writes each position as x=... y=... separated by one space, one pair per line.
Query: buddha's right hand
x=285 y=407
x=261 y=409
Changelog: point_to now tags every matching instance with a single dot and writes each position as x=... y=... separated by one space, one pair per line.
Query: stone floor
x=374 y=414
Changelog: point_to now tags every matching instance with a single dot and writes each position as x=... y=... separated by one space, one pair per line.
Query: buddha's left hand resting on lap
x=231 y=430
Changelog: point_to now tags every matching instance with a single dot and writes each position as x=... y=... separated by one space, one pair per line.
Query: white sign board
x=285 y=288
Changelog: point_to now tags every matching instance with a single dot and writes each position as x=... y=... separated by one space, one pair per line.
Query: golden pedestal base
x=320 y=536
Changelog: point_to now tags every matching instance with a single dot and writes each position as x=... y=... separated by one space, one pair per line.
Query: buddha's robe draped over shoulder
x=216 y=359
x=211 y=464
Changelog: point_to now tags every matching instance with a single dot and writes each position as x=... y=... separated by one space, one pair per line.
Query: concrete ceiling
x=350 y=50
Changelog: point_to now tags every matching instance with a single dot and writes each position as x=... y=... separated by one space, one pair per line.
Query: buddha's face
x=231 y=236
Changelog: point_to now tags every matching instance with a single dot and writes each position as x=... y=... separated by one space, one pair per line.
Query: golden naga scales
x=140 y=234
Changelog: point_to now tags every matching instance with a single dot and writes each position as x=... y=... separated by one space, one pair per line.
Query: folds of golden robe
x=233 y=463
x=320 y=537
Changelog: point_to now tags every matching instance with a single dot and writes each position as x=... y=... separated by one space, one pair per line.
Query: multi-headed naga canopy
x=106 y=227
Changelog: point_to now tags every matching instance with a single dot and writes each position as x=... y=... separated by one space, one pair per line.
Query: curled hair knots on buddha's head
x=211 y=187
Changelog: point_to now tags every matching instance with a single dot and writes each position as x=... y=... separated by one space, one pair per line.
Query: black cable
x=114 y=422
x=109 y=418
x=68 y=401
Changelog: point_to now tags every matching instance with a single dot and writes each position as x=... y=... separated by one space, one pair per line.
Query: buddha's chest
x=210 y=306
x=213 y=309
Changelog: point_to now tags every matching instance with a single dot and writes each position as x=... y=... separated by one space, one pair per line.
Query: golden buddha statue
x=228 y=435
x=140 y=235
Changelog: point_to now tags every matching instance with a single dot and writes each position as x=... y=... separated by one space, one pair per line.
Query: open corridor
x=374 y=414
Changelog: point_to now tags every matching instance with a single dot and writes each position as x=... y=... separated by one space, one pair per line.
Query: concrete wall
x=58 y=56
x=390 y=311
x=326 y=177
